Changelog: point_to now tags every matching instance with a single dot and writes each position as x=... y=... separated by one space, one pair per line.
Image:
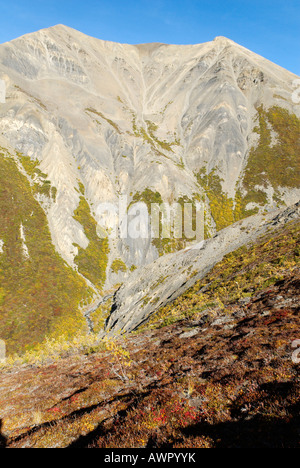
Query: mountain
x=86 y=122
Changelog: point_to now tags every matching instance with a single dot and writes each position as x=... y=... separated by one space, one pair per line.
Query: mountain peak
x=222 y=40
x=60 y=27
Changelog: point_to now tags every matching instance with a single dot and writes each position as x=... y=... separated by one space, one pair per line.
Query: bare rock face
x=103 y=119
x=154 y=285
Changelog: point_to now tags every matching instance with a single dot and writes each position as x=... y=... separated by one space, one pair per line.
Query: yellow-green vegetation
x=148 y=133
x=40 y=295
x=149 y=137
x=148 y=197
x=81 y=188
x=167 y=146
x=276 y=164
x=118 y=266
x=109 y=121
x=100 y=315
x=41 y=185
x=165 y=244
x=237 y=276
x=121 y=358
x=185 y=200
x=52 y=349
x=221 y=206
x=92 y=261
x=31 y=97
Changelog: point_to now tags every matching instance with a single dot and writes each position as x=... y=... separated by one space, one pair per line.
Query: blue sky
x=269 y=28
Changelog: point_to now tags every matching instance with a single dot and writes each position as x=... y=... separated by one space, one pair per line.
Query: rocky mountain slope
x=86 y=121
x=159 y=283
x=217 y=368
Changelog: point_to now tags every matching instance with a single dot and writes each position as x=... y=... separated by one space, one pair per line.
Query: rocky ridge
x=155 y=285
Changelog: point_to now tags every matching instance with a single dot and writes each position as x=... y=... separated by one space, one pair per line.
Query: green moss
x=40 y=294
x=92 y=261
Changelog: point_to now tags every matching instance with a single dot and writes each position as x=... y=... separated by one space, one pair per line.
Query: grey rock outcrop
x=157 y=284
